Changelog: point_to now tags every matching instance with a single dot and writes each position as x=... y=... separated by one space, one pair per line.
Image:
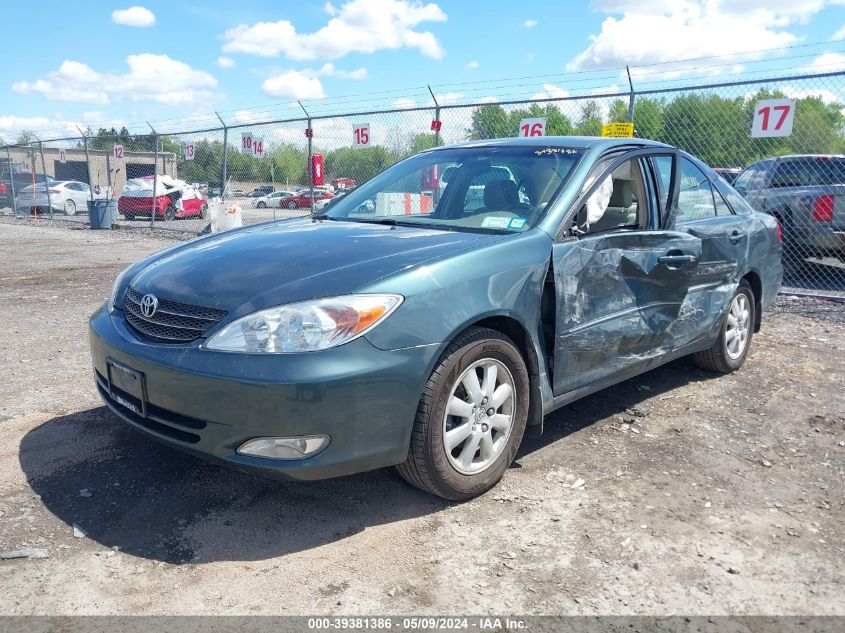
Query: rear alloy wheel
x=261 y=205
x=70 y=207
x=292 y=204
x=170 y=213
x=731 y=347
x=471 y=417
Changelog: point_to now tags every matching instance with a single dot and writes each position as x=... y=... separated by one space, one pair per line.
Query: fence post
x=11 y=180
x=309 y=132
x=225 y=157
x=630 y=96
x=87 y=163
x=436 y=118
x=155 y=180
x=46 y=187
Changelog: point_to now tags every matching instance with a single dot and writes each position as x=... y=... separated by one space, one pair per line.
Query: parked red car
x=303 y=199
x=175 y=199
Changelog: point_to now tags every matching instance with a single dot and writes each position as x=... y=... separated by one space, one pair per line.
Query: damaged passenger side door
x=620 y=277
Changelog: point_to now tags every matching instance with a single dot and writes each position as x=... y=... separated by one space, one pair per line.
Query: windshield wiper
x=387 y=221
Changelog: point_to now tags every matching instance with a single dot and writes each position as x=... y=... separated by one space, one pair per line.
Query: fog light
x=284 y=447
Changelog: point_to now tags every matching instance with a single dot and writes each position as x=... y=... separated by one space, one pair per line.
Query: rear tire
x=490 y=425
x=261 y=205
x=204 y=211
x=292 y=205
x=170 y=213
x=729 y=351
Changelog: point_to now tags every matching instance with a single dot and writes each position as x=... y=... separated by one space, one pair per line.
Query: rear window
x=809 y=172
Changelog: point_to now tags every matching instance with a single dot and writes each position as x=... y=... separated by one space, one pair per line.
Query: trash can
x=102 y=213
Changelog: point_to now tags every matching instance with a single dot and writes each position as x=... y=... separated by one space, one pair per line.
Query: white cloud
x=472 y=64
x=134 y=16
x=404 y=103
x=530 y=23
x=226 y=62
x=550 y=91
x=358 y=26
x=529 y=56
x=11 y=125
x=151 y=77
x=840 y=34
x=826 y=63
x=293 y=84
x=306 y=84
x=684 y=29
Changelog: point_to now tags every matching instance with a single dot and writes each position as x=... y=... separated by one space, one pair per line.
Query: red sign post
x=318 y=177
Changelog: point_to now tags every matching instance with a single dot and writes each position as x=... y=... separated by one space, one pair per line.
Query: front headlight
x=305 y=327
x=116 y=287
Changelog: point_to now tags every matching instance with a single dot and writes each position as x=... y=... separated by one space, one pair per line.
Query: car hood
x=281 y=262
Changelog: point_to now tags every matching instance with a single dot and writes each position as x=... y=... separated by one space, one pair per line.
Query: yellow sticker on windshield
x=618 y=129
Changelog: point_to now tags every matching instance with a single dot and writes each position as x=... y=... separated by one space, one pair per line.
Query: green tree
x=590 y=121
x=489 y=121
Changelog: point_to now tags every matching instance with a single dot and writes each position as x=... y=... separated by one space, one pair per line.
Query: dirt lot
x=701 y=494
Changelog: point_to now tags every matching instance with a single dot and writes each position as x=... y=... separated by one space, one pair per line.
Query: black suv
x=263 y=190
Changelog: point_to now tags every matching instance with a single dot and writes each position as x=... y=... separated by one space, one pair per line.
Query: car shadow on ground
x=127 y=491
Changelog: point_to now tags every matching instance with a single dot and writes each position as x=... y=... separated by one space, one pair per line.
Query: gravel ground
x=700 y=494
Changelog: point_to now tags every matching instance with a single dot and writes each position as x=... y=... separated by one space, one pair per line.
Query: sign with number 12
x=773 y=117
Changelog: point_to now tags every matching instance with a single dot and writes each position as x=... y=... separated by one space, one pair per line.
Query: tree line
x=710 y=126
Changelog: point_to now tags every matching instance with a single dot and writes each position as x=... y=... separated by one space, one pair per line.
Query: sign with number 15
x=361 y=135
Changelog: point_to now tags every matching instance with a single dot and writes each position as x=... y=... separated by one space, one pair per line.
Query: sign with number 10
x=532 y=127
x=773 y=117
x=246 y=142
x=361 y=134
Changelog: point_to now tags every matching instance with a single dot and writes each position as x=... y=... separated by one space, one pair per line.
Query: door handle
x=676 y=261
x=735 y=237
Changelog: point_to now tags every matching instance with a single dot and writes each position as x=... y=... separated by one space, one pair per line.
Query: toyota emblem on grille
x=149 y=305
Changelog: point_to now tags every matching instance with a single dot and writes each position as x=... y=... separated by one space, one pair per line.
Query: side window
x=619 y=202
x=753 y=178
x=792 y=173
x=695 y=197
x=722 y=207
x=663 y=166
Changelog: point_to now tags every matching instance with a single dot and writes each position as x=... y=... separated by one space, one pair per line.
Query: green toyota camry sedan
x=429 y=317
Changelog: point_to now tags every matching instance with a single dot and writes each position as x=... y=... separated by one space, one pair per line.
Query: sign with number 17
x=773 y=117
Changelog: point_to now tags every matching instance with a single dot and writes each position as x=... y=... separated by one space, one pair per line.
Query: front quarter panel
x=442 y=298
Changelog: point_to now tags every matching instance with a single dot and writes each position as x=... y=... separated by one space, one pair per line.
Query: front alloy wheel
x=479 y=416
x=70 y=207
x=471 y=417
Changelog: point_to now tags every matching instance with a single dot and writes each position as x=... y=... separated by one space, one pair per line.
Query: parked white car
x=270 y=200
x=69 y=197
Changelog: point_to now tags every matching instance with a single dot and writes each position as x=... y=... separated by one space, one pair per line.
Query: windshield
x=485 y=189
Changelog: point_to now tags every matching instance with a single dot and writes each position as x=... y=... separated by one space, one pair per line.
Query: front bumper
x=209 y=403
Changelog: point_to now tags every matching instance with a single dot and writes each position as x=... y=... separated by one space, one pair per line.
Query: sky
x=175 y=63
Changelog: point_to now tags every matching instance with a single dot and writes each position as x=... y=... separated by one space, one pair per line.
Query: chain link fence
x=286 y=168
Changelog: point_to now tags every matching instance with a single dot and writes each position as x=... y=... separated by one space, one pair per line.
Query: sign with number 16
x=532 y=127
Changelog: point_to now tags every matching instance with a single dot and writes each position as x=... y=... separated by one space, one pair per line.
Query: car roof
x=580 y=142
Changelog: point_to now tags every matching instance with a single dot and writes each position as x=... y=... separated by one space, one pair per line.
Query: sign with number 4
x=118 y=152
x=773 y=117
x=190 y=151
x=361 y=135
x=532 y=127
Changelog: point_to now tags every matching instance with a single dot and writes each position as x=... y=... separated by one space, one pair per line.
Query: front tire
x=262 y=205
x=70 y=207
x=471 y=417
x=170 y=213
x=292 y=204
x=729 y=351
